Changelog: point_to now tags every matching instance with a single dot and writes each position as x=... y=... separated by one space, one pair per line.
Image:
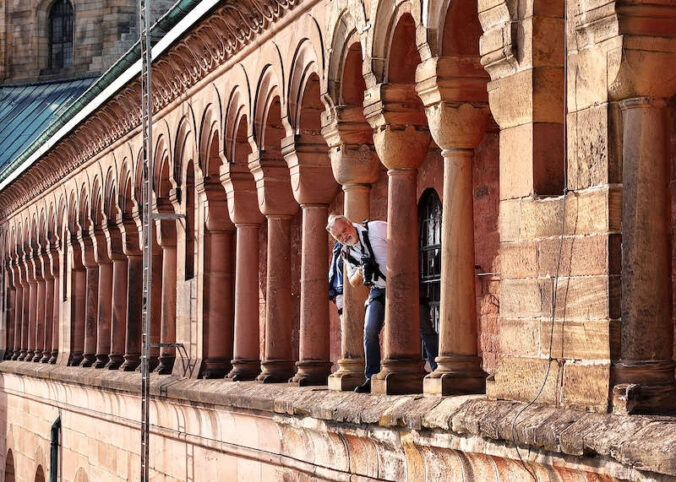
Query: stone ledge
x=644 y=443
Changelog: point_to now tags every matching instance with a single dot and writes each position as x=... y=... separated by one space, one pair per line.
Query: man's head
x=342 y=230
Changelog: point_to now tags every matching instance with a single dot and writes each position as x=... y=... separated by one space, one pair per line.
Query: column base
x=7 y=355
x=350 y=375
x=243 y=370
x=45 y=357
x=214 y=368
x=37 y=356
x=52 y=359
x=165 y=366
x=275 y=371
x=114 y=362
x=311 y=373
x=456 y=375
x=101 y=361
x=399 y=377
x=644 y=387
x=88 y=359
x=74 y=359
x=16 y=355
x=131 y=362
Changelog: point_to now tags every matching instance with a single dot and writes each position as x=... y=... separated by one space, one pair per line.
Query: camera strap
x=367 y=242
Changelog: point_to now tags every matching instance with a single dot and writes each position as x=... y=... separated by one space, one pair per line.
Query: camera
x=368 y=269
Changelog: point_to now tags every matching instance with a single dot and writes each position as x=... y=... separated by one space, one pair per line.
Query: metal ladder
x=147 y=222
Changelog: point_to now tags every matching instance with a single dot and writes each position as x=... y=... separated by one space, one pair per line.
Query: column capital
x=400 y=132
x=310 y=169
x=273 y=184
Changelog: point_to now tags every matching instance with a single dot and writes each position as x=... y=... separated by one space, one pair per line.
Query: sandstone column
x=25 y=309
x=55 y=315
x=48 y=314
x=88 y=250
x=166 y=237
x=401 y=139
x=11 y=309
x=455 y=99
x=240 y=189
x=219 y=290
x=128 y=226
x=276 y=202
x=314 y=187
x=40 y=316
x=118 y=311
x=78 y=300
x=277 y=365
x=104 y=296
x=314 y=365
x=246 y=356
x=18 y=309
x=355 y=166
x=32 y=311
x=647 y=332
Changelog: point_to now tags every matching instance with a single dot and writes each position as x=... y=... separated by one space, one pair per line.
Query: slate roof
x=27 y=110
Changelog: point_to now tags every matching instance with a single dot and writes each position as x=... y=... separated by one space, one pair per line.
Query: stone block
x=520 y=378
x=519 y=337
x=579 y=255
x=588 y=340
x=586 y=387
x=508 y=219
x=518 y=260
x=588 y=298
x=516 y=161
x=526 y=298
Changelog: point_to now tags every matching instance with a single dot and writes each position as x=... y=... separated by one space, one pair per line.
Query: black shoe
x=364 y=387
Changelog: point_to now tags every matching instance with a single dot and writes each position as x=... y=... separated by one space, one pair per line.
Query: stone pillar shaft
x=25 y=310
x=218 y=298
x=18 y=313
x=91 y=313
x=350 y=371
x=168 y=317
x=104 y=312
x=459 y=369
x=32 y=319
x=314 y=365
x=40 y=319
x=78 y=293
x=118 y=320
x=647 y=334
x=48 y=320
x=277 y=365
x=56 y=319
x=134 y=313
x=246 y=350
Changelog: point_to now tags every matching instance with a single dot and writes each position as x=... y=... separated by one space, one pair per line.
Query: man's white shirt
x=377 y=232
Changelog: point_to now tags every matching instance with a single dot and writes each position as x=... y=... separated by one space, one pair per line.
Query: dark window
x=60 y=35
x=429 y=223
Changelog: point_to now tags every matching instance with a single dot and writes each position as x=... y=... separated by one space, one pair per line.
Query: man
x=365 y=254
x=336 y=278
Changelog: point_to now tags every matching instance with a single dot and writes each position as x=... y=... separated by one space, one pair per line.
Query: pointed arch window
x=60 y=35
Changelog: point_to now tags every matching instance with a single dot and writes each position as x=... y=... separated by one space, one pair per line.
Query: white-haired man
x=365 y=255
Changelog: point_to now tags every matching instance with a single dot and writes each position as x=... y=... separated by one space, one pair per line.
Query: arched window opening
x=40 y=474
x=9 y=467
x=60 y=35
x=429 y=239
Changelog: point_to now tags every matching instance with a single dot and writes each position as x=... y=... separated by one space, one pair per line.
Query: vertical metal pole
x=148 y=169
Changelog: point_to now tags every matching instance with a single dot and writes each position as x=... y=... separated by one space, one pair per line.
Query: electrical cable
x=555 y=283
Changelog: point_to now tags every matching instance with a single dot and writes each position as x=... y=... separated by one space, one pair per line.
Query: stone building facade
x=546 y=130
x=102 y=30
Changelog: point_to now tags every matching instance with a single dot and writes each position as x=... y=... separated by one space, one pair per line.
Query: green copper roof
x=27 y=110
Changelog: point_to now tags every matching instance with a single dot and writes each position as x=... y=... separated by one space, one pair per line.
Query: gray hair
x=333 y=218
